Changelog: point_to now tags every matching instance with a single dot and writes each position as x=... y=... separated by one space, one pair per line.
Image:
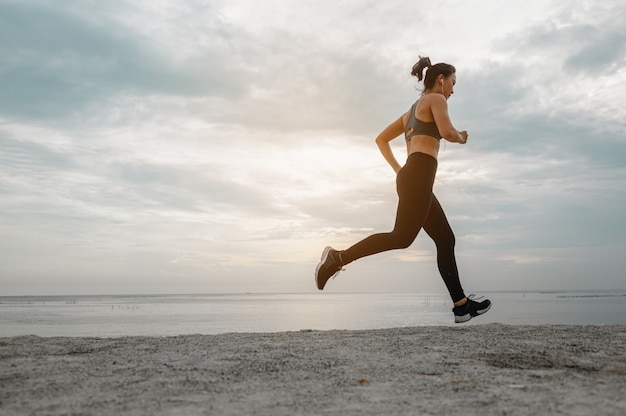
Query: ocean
x=169 y=315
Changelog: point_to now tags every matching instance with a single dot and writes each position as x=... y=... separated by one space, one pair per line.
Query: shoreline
x=201 y=314
x=481 y=369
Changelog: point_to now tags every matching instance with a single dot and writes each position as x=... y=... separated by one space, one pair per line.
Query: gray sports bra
x=420 y=127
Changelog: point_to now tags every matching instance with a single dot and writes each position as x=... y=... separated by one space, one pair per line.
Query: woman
x=424 y=125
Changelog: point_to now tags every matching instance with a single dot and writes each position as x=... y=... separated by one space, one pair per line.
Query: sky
x=182 y=146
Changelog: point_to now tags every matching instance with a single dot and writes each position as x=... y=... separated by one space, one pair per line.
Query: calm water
x=114 y=316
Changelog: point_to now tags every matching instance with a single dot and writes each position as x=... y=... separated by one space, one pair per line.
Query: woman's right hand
x=463 y=135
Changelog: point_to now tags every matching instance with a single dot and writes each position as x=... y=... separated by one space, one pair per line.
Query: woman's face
x=448 y=85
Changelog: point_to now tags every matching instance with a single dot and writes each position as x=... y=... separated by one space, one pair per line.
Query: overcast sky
x=217 y=146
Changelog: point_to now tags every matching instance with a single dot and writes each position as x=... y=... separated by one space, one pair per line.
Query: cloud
x=60 y=61
x=601 y=52
x=521 y=259
x=570 y=66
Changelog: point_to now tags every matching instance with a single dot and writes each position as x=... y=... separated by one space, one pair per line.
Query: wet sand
x=488 y=369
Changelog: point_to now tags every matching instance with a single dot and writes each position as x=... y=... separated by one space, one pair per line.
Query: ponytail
x=432 y=71
x=418 y=68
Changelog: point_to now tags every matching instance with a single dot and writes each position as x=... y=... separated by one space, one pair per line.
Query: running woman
x=424 y=125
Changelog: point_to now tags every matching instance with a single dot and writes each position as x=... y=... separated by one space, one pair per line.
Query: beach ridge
x=489 y=369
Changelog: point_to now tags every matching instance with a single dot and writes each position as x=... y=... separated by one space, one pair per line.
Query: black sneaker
x=329 y=266
x=470 y=310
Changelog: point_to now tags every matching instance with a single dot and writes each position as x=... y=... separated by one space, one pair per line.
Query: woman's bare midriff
x=423 y=144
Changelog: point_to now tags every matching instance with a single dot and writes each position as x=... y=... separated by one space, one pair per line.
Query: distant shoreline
x=492 y=368
x=622 y=292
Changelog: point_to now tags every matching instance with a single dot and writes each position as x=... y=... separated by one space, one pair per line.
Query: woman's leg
x=414 y=187
x=438 y=228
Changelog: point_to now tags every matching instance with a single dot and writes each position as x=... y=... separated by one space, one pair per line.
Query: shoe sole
x=325 y=254
x=467 y=317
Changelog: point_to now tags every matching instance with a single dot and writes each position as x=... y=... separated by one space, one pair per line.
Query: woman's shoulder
x=431 y=102
x=430 y=98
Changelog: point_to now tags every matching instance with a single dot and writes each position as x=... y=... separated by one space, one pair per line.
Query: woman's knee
x=404 y=239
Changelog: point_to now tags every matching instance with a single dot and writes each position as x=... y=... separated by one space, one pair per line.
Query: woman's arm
x=382 y=141
x=439 y=109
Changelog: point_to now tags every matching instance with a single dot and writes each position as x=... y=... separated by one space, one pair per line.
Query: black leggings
x=417 y=208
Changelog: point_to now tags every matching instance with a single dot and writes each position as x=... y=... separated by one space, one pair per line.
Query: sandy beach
x=474 y=369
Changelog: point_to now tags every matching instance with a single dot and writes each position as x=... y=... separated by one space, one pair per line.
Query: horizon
x=439 y=293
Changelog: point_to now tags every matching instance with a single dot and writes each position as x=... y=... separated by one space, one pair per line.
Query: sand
x=488 y=369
